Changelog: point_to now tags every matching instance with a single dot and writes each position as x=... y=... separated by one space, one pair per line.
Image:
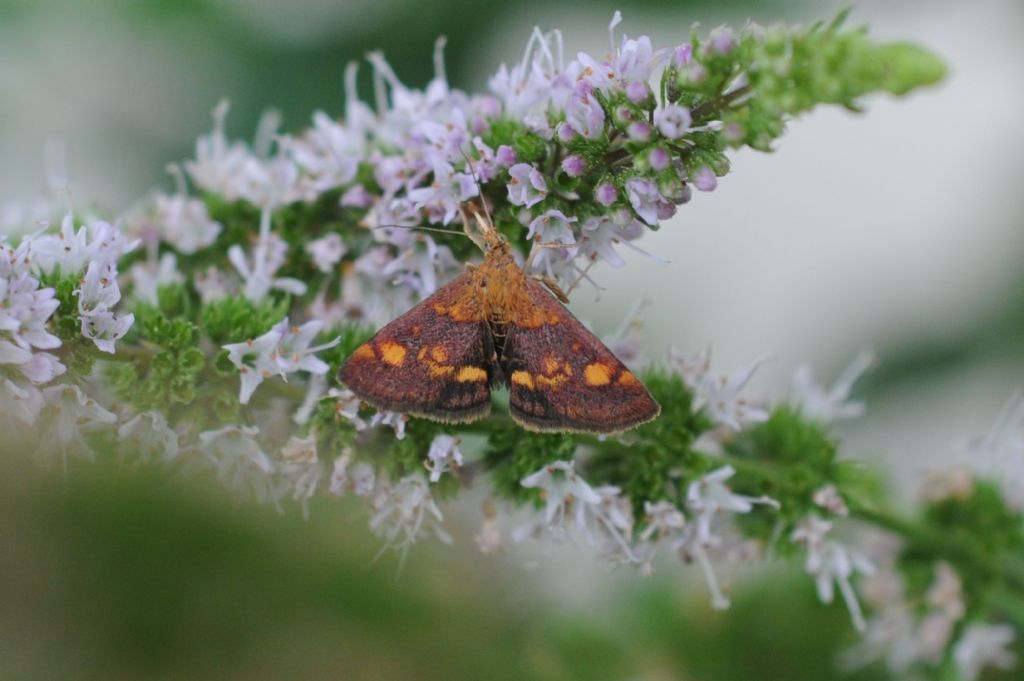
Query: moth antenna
x=422 y=228
x=479 y=189
x=478 y=239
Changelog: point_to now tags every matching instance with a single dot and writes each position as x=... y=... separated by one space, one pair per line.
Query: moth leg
x=552 y=286
x=535 y=249
x=583 y=275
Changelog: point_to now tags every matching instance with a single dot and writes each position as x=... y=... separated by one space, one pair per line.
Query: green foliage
x=789 y=71
x=514 y=453
x=236 y=319
x=657 y=461
x=978 y=532
x=169 y=375
x=787 y=458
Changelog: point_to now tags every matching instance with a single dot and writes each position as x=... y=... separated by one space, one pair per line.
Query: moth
x=495 y=325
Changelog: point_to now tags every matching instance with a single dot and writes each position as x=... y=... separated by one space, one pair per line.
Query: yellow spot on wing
x=439 y=354
x=627 y=378
x=392 y=353
x=439 y=370
x=597 y=374
x=364 y=351
x=471 y=374
x=551 y=365
x=522 y=378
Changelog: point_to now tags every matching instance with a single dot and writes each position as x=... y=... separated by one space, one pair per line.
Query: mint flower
x=281 y=351
x=526 y=186
x=984 y=645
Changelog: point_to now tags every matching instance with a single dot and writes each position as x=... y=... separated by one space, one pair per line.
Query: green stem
x=705 y=110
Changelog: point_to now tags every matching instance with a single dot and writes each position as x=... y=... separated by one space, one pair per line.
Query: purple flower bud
x=505 y=156
x=574 y=165
x=733 y=132
x=639 y=131
x=566 y=133
x=721 y=41
x=623 y=114
x=606 y=194
x=673 y=121
x=682 y=55
x=704 y=179
x=638 y=92
x=658 y=158
x=696 y=73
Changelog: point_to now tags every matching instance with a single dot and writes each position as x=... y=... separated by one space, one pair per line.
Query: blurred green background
x=898 y=230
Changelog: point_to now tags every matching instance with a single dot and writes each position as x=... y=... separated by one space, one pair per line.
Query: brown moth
x=495 y=325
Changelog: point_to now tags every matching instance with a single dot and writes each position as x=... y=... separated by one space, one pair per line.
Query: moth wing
x=434 y=361
x=562 y=378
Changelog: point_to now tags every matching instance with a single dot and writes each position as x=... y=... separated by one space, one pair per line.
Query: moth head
x=480 y=229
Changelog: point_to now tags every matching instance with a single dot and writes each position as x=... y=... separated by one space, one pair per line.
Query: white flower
x=552 y=226
x=526 y=186
x=326 y=251
x=570 y=504
x=328 y=152
x=984 y=645
x=72 y=414
x=23 y=402
x=340 y=483
x=709 y=496
x=663 y=518
x=444 y=456
x=827 y=405
x=253 y=359
x=267 y=257
x=71 y=251
x=300 y=469
x=828 y=498
x=281 y=351
x=239 y=460
x=212 y=285
x=150 y=436
x=148 y=277
x=832 y=563
x=232 y=170
x=401 y=513
x=346 y=406
x=364 y=479
x=390 y=418
x=563 y=492
x=184 y=223
x=719 y=395
x=443 y=196
x=25 y=310
x=98 y=294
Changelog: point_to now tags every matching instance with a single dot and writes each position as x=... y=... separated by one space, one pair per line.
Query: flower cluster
x=79 y=304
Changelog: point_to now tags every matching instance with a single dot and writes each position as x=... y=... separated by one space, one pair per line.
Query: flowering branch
x=218 y=317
